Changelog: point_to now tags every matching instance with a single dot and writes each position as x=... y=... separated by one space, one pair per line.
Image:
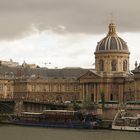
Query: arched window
x=114 y=65
x=101 y=65
x=125 y=65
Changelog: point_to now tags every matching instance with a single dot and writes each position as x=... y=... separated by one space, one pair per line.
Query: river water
x=9 y=132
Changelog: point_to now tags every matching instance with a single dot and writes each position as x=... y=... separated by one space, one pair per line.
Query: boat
x=57 y=118
x=126 y=121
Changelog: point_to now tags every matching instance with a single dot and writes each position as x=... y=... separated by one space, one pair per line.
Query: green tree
x=87 y=103
x=76 y=106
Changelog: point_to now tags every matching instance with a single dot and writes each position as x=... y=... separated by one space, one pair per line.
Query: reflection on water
x=37 y=133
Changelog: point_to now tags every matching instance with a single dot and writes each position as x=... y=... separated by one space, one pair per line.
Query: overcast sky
x=64 y=32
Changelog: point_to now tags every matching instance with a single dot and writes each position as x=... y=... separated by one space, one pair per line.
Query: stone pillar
x=120 y=93
x=87 y=92
x=18 y=107
x=107 y=92
x=135 y=91
x=83 y=91
x=5 y=90
x=94 y=89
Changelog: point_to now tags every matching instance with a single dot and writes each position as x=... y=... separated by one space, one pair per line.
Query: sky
x=64 y=33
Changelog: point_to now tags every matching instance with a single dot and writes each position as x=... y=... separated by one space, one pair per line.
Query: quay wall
x=106 y=113
x=109 y=111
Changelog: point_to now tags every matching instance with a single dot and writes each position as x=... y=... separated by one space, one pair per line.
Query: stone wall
x=109 y=111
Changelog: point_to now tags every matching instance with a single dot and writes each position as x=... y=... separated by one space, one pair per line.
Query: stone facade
x=110 y=77
x=38 y=88
x=93 y=85
x=62 y=86
x=108 y=58
x=6 y=88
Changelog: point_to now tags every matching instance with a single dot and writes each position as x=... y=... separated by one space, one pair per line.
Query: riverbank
x=13 y=132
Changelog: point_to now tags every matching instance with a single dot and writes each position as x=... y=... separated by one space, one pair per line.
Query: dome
x=112 y=42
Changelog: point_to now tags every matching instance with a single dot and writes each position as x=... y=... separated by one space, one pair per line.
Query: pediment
x=90 y=75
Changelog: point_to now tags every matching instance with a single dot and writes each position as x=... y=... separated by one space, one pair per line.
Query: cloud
x=62 y=50
x=64 y=32
x=76 y=16
x=69 y=50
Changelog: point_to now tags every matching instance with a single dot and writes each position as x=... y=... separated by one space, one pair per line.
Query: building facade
x=55 y=85
x=40 y=89
x=6 y=88
x=110 y=79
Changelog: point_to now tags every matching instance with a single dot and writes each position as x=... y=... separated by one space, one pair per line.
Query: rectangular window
x=1 y=87
x=33 y=88
x=42 y=88
x=68 y=87
x=8 y=87
x=50 y=88
x=58 y=88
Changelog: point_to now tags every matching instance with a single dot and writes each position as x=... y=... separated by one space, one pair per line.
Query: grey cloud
x=86 y=16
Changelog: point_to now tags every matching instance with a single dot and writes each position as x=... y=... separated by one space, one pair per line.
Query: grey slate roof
x=112 y=43
x=66 y=73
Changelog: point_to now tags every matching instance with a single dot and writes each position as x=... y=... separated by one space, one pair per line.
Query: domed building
x=111 y=80
x=112 y=54
x=111 y=71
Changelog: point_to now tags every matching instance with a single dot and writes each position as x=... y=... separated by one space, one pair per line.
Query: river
x=9 y=132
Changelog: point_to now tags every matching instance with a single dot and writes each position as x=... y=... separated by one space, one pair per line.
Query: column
x=87 y=94
x=94 y=90
x=83 y=91
x=120 y=94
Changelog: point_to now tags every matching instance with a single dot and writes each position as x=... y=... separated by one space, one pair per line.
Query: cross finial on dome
x=112 y=17
x=112 y=27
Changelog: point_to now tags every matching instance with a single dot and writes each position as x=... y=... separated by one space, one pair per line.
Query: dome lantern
x=112 y=30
